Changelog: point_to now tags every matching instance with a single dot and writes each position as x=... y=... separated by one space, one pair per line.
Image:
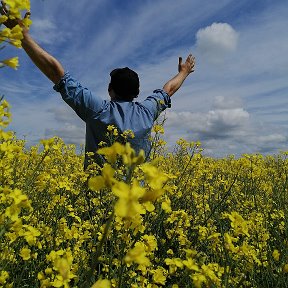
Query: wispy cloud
x=46 y=32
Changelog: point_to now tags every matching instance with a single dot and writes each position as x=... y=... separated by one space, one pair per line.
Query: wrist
x=183 y=73
x=26 y=36
x=25 y=31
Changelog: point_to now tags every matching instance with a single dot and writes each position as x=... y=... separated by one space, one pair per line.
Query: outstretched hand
x=184 y=70
x=188 y=66
x=11 y=23
x=47 y=64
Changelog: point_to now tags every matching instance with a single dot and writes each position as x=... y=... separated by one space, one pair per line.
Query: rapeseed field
x=180 y=220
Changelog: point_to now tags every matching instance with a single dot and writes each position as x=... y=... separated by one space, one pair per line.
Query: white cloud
x=69 y=126
x=65 y=115
x=216 y=40
x=213 y=124
x=221 y=120
x=221 y=102
x=272 y=138
x=218 y=129
x=46 y=32
x=223 y=132
x=71 y=134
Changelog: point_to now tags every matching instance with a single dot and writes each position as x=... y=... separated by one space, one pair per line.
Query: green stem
x=30 y=181
x=96 y=255
x=220 y=203
x=121 y=269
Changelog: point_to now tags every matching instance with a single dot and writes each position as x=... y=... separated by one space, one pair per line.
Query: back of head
x=125 y=83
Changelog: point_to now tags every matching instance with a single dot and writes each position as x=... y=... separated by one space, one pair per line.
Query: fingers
x=188 y=65
x=4 y=10
x=179 y=64
x=190 y=62
x=3 y=6
x=190 y=58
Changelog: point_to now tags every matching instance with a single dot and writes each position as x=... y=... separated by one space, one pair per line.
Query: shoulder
x=160 y=98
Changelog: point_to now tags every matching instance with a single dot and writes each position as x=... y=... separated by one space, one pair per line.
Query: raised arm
x=50 y=66
x=184 y=69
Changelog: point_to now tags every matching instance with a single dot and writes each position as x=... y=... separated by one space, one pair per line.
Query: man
x=120 y=110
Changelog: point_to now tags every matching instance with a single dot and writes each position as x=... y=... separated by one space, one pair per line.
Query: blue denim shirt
x=125 y=115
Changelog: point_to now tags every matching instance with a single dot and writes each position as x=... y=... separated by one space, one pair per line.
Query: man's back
x=124 y=115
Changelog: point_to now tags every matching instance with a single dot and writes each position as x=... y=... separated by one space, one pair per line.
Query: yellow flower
x=63 y=267
x=150 y=242
x=155 y=178
x=137 y=255
x=208 y=272
x=27 y=22
x=148 y=206
x=129 y=156
x=159 y=276
x=106 y=180
x=198 y=280
x=166 y=205
x=47 y=143
x=229 y=243
x=174 y=264
x=11 y=236
x=285 y=268
x=170 y=251
x=11 y=62
x=40 y=276
x=110 y=128
x=276 y=255
x=48 y=271
x=16 y=33
x=3 y=18
x=102 y=284
x=4 y=275
x=16 y=6
x=128 y=205
x=25 y=253
x=115 y=132
x=53 y=255
x=191 y=264
x=30 y=234
x=128 y=134
x=111 y=152
x=158 y=129
x=240 y=226
x=5 y=33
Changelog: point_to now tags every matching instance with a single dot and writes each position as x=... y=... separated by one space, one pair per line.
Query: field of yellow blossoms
x=181 y=220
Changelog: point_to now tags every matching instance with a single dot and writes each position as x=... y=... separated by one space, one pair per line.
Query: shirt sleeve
x=157 y=102
x=80 y=99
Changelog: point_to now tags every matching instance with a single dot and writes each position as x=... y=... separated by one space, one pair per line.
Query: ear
x=109 y=87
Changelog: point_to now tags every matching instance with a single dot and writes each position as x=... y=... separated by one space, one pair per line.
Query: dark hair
x=125 y=83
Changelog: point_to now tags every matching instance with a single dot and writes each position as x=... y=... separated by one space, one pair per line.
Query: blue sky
x=236 y=101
